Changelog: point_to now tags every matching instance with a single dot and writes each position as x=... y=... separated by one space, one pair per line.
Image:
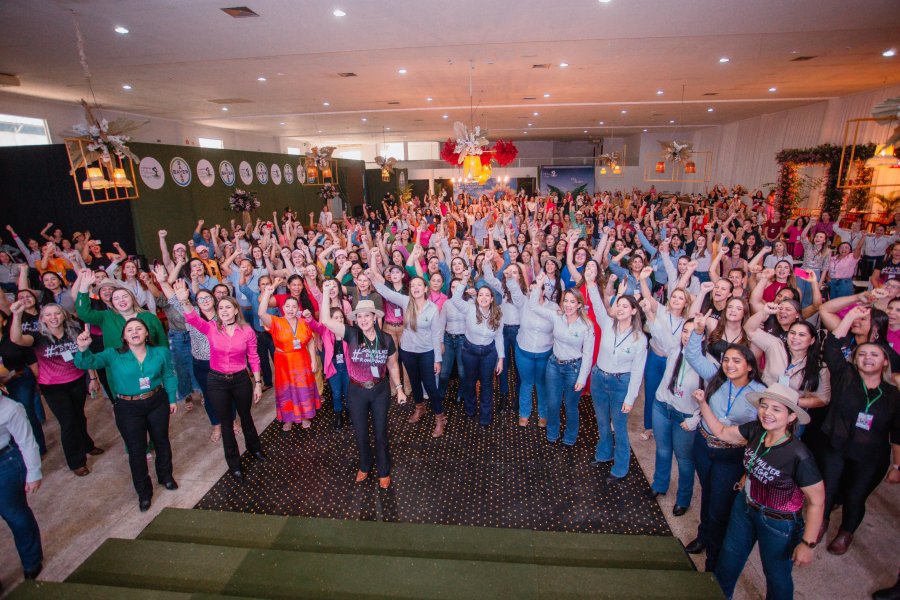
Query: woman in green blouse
x=146 y=386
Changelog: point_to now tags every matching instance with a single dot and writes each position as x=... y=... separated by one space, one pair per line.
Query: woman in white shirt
x=420 y=345
x=533 y=345
x=570 y=363
x=482 y=350
x=512 y=290
x=614 y=388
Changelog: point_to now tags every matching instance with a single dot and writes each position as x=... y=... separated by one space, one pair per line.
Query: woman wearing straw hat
x=371 y=355
x=780 y=473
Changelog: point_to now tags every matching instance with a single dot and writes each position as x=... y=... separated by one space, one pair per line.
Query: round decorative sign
x=301 y=173
x=288 y=174
x=152 y=173
x=205 y=172
x=262 y=173
x=226 y=173
x=180 y=171
x=246 y=172
x=275 y=171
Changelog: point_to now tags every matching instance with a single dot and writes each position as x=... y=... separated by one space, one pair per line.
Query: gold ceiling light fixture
x=386 y=164
x=683 y=158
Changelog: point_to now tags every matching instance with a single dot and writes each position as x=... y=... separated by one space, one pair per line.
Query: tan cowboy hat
x=555 y=260
x=109 y=282
x=783 y=394
x=366 y=306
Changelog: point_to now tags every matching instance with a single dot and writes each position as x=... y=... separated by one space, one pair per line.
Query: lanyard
x=870 y=402
x=372 y=353
x=294 y=328
x=757 y=455
x=681 y=372
x=616 y=341
x=675 y=328
x=733 y=399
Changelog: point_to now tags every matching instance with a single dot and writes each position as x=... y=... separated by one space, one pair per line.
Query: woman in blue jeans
x=454 y=323
x=533 y=345
x=335 y=363
x=616 y=379
x=779 y=476
x=512 y=290
x=570 y=363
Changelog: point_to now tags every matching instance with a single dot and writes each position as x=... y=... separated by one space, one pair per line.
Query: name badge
x=864 y=421
x=297 y=344
x=784 y=380
x=679 y=392
x=375 y=372
x=397 y=312
x=144 y=383
x=338 y=359
x=67 y=356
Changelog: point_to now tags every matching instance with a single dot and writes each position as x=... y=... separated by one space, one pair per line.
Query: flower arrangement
x=791 y=159
x=675 y=152
x=468 y=142
x=103 y=139
x=449 y=153
x=242 y=201
x=505 y=152
x=328 y=191
x=321 y=155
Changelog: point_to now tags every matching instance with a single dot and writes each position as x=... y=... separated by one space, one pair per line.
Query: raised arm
x=729 y=433
x=325 y=318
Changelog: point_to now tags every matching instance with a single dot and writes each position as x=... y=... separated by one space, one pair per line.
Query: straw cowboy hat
x=783 y=394
x=366 y=306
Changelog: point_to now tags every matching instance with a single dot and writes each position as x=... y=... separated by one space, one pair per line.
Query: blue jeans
x=420 y=368
x=453 y=345
x=339 y=383
x=532 y=367
x=670 y=437
x=15 y=511
x=777 y=540
x=702 y=276
x=718 y=469
x=510 y=333
x=22 y=390
x=560 y=381
x=180 y=346
x=654 y=369
x=608 y=393
x=840 y=288
x=479 y=362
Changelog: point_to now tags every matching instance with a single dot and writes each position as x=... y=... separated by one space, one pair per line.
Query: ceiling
x=183 y=59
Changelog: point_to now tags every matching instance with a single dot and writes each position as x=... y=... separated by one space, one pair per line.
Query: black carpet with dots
x=499 y=476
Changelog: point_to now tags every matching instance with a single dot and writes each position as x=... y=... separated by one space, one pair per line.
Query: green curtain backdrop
x=177 y=208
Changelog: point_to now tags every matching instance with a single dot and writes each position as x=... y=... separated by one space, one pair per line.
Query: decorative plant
x=241 y=201
x=405 y=192
x=103 y=139
x=328 y=191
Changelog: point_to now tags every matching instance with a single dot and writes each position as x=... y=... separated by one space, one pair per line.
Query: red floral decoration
x=485 y=157
x=448 y=152
x=505 y=152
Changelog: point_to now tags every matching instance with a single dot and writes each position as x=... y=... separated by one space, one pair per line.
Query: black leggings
x=853 y=481
x=66 y=400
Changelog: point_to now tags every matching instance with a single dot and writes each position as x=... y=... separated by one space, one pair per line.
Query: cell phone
x=801 y=273
x=155 y=263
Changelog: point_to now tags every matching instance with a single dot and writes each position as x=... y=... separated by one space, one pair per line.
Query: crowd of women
x=764 y=370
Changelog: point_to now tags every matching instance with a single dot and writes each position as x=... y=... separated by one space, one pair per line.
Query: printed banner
x=491 y=187
x=562 y=179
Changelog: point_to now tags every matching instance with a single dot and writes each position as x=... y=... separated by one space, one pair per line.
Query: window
x=423 y=150
x=211 y=143
x=392 y=150
x=293 y=151
x=23 y=131
x=349 y=153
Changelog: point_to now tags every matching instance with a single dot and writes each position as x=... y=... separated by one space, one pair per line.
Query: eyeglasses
x=205 y=299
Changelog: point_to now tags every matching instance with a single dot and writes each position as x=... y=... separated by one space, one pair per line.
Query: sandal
x=286 y=426
x=216 y=434
x=306 y=423
x=648 y=433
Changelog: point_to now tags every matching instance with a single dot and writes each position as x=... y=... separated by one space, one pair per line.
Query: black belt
x=768 y=512
x=566 y=362
x=455 y=335
x=367 y=385
x=228 y=375
x=6 y=449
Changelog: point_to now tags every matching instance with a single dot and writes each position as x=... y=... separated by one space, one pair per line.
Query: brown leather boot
x=439 y=422
x=841 y=543
x=418 y=414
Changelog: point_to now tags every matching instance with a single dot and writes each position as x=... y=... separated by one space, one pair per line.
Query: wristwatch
x=810 y=545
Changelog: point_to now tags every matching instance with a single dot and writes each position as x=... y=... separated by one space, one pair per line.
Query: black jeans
x=66 y=400
x=420 y=368
x=718 y=469
x=265 y=347
x=135 y=419
x=853 y=480
x=235 y=389
x=360 y=402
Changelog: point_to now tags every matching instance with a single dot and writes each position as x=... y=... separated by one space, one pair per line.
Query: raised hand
x=646 y=272
x=84 y=339
x=706 y=287
x=181 y=291
x=163 y=233
x=699 y=396
x=700 y=321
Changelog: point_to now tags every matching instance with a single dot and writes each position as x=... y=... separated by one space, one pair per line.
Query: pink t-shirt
x=894 y=339
x=227 y=353
x=55 y=360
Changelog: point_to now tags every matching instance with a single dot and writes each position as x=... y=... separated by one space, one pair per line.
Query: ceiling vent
x=239 y=12
x=544 y=66
x=529 y=98
x=711 y=94
x=394 y=102
x=347 y=75
x=7 y=79
x=802 y=58
x=230 y=101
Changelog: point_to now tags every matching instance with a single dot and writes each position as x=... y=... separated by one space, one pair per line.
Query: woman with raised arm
x=232 y=345
x=718 y=462
x=615 y=386
x=371 y=356
x=483 y=350
x=296 y=395
x=570 y=362
x=62 y=384
x=779 y=475
x=534 y=343
x=144 y=377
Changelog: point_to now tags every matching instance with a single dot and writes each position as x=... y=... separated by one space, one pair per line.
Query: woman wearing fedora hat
x=371 y=356
x=779 y=475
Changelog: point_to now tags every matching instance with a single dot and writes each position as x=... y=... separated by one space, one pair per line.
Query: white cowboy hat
x=783 y=394
x=366 y=306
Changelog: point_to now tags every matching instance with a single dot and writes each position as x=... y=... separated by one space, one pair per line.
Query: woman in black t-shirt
x=780 y=473
x=370 y=356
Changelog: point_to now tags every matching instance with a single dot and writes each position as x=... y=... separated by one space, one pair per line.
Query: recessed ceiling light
x=261 y=79
x=339 y=13
x=624 y=112
x=672 y=121
x=564 y=64
x=364 y=119
x=224 y=109
x=401 y=71
x=318 y=131
x=536 y=114
x=645 y=131
x=659 y=92
x=604 y=1
x=282 y=123
x=387 y=128
x=585 y=130
x=121 y=30
x=326 y=104
x=546 y=95
x=724 y=59
x=886 y=53
x=772 y=89
x=429 y=99
x=601 y=122
x=126 y=87
x=531 y=124
x=445 y=116
x=710 y=109
x=525 y=132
